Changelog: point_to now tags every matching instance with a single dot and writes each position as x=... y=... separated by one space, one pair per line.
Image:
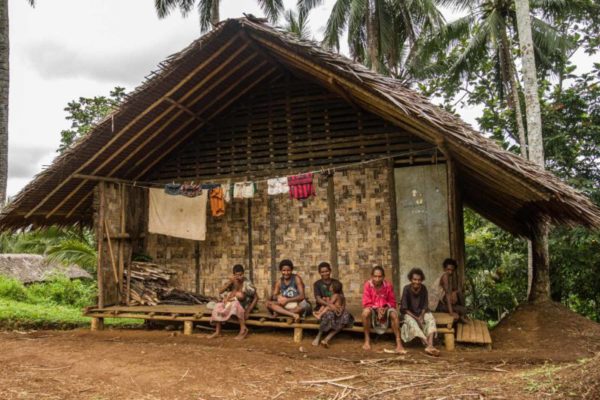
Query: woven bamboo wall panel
x=287 y=126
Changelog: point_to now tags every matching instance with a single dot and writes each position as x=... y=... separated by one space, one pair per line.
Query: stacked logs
x=151 y=285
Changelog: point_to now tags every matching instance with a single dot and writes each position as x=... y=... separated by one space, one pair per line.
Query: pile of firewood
x=151 y=285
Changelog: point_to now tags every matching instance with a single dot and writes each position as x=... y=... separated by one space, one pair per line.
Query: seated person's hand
x=380 y=312
x=282 y=300
x=454 y=315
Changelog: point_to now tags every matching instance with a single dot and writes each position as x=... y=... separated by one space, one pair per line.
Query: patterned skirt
x=330 y=321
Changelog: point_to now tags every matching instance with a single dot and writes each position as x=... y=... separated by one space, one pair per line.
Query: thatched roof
x=201 y=82
x=30 y=268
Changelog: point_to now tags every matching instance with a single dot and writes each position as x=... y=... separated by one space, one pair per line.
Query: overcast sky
x=64 y=49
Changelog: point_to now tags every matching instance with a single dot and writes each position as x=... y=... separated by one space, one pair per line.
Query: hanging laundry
x=238 y=190
x=190 y=190
x=249 y=190
x=244 y=190
x=173 y=189
x=301 y=186
x=217 y=202
x=227 y=191
x=209 y=186
x=277 y=186
x=178 y=216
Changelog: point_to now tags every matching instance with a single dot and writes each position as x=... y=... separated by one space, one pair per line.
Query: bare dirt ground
x=159 y=364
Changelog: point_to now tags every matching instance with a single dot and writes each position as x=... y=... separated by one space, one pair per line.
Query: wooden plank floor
x=473 y=332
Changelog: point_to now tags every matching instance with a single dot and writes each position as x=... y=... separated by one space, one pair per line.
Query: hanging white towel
x=248 y=190
x=226 y=192
x=238 y=190
x=277 y=186
x=178 y=216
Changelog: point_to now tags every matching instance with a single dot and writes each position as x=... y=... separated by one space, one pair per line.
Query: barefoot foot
x=316 y=341
x=214 y=335
x=242 y=334
x=366 y=346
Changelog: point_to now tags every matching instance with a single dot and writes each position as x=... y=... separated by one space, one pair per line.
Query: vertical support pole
x=449 y=339
x=197 y=265
x=394 y=245
x=188 y=327
x=333 y=249
x=121 y=242
x=453 y=218
x=250 y=256
x=97 y=324
x=100 y=240
x=298 y=334
x=273 y=239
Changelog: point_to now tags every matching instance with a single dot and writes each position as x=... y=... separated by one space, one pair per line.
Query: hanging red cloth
x=301 y=186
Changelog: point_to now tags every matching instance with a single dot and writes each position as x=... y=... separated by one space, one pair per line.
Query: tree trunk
x=540 y=271
x=215 y=18
x=4 y=81
x=540 y=267
x=373 y=35
x=511 y=79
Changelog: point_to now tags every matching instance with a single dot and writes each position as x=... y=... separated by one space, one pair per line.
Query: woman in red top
x=379 y=307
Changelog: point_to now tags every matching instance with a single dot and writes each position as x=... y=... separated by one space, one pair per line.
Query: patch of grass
x=20 y=315
x=541 y=380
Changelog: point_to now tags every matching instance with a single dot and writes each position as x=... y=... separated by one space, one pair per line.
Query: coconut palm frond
x=336 y=23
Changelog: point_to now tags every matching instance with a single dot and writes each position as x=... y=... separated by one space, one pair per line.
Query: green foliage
x=85 y=113
x=61 y=290
x=496 y=268
x=22 y=315
x=12 y=289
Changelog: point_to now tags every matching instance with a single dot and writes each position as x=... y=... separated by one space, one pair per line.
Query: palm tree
x=488 y=29
x=297 y=23
x=208 y=10
x=539 y=262
x=4 y=85
x=383 y=34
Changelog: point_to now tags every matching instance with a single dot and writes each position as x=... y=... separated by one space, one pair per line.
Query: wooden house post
x=394 y=247
x=333 y=249
x=455 y=219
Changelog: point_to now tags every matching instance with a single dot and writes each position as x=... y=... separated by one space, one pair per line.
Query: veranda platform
x=474 y=331
x=189 y=315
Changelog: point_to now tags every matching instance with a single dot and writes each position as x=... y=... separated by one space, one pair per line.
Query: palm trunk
x=4 y=81
x=515 y=102
x=540 y=266
x=373 y=35
x=215 y=18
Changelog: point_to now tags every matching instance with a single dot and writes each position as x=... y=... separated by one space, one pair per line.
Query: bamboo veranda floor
x=476 y=332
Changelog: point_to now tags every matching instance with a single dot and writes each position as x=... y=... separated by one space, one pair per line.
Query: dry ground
x=139 y=364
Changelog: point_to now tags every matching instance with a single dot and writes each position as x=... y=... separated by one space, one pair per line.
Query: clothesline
x=148 y=185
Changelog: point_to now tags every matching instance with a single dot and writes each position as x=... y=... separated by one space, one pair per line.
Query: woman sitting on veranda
x=331 y=306
x=418 y=321
x=239 y=297
x=288 y=294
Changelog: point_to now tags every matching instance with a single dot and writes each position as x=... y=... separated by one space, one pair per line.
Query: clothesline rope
x=149 y=185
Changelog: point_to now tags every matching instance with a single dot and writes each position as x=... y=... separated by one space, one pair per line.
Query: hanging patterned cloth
x=277 y=186
x=301 y=186
x=217 y=202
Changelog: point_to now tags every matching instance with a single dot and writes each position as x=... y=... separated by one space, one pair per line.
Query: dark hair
x=324 y=264
x=378 y=268
x=336 y=287
x=417 y=271
x=287 y=263
x=450 y=261
x=238 y=268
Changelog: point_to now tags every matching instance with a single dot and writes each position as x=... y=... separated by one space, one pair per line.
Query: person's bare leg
x=217 y=332
x=366 y=318
x=243 y=329
x=281 y=310
x=330 y=335
x=317 y=339
x=396 y=329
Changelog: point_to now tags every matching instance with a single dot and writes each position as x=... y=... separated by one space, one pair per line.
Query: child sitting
x=337 y=298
